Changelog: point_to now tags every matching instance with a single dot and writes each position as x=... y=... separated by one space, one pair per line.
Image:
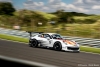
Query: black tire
x=57 y=46
x=33 y=43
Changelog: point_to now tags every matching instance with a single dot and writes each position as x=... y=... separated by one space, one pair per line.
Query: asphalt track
x=48 y=56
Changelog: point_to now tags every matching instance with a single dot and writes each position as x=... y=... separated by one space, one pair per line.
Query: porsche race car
x=52 y=40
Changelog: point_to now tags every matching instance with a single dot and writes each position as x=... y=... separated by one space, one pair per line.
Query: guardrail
x=14 y=32
x=85 y=41
x=82 y=41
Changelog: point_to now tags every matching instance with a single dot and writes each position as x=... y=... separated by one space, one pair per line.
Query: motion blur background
x=80 y=23
x=78 y=20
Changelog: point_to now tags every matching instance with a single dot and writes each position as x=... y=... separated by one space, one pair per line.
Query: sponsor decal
x=70 y=42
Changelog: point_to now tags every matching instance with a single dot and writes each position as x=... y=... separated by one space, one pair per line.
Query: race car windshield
x=57 y=36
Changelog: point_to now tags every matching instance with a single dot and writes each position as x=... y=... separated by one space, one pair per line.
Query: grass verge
x=14 y=38
x=90 y=49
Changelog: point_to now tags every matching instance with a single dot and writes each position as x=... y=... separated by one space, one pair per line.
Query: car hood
x=73 y=43
x=69 y=42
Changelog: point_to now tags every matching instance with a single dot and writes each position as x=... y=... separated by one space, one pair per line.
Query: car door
x=46 y=40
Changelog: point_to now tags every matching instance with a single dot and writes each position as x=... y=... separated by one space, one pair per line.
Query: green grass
x=90 y=49
x=14 y=38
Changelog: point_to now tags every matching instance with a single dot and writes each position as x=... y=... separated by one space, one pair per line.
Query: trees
x=32 y=18
x=64 y=17
x=6 y=8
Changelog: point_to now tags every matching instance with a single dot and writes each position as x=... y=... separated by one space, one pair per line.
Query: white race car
x=52 y=40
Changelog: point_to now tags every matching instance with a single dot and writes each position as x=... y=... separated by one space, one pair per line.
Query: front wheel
x=57 y=46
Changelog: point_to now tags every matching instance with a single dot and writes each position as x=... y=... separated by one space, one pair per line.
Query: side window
x=41 y=35
x=47 y=36
x=54 y=37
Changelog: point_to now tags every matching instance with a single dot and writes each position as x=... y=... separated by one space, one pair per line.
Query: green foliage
x=33 y=17
x=63 y=17
x=85 y=21
x=78 y=14
x=6 y=8
x=66 y=22
x=46 y=15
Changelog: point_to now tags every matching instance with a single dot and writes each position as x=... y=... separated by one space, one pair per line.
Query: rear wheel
x=57 y=46
x=33 y=43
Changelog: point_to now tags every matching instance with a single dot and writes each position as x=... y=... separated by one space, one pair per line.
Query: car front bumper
x=72 y=49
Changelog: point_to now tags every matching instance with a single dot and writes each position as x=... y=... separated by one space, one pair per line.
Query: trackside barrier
x=82 y=41
x=85 y=41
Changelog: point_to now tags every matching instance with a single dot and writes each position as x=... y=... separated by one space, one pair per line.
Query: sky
x=82 y=6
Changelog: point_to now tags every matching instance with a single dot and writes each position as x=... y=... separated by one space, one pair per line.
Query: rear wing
x=34 y=33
